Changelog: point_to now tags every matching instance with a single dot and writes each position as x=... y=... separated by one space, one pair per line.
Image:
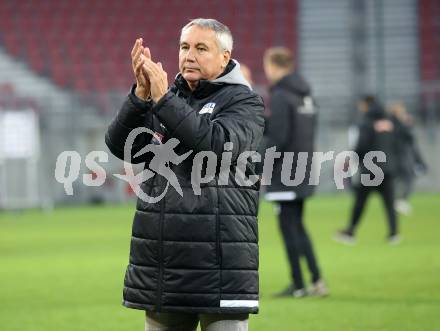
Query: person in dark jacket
x=411 y=163
x=193 y=257
x=291 y=129
x=376 y=132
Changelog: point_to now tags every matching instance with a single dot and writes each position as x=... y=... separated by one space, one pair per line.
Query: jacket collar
x=231 y=75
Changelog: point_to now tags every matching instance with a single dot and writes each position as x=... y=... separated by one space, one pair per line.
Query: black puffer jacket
x=370 y=139
x=291 y=128
x=409 y=161
x=196 y=253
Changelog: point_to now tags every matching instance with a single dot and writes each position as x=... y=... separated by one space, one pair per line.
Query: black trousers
x=386 y=190
x=404 y=185
x=296 y=241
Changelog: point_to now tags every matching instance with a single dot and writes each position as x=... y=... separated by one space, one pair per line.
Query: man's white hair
x=222 y=32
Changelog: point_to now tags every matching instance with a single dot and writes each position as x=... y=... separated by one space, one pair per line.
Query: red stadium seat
x=86 y=45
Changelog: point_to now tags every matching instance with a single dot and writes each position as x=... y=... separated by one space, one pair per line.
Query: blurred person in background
x=410 y=162
x=193 y=258
x=291 y=128
x=376 y=132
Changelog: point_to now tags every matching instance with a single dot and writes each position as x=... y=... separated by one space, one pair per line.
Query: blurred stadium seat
x=86 y=46
x=10 y=100
x=429 y=11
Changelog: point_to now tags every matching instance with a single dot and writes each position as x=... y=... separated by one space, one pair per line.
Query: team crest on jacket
x=208 y=108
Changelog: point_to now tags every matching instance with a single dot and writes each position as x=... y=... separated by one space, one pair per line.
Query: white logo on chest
x=208 y=108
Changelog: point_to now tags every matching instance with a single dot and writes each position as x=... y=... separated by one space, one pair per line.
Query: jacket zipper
x=217 y=235
x=218 y=243
x=160 y=287
x=217 y=229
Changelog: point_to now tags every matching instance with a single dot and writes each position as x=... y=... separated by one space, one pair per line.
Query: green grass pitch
x=63 y=270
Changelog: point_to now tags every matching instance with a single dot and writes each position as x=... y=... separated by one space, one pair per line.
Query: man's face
x=200 y=56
